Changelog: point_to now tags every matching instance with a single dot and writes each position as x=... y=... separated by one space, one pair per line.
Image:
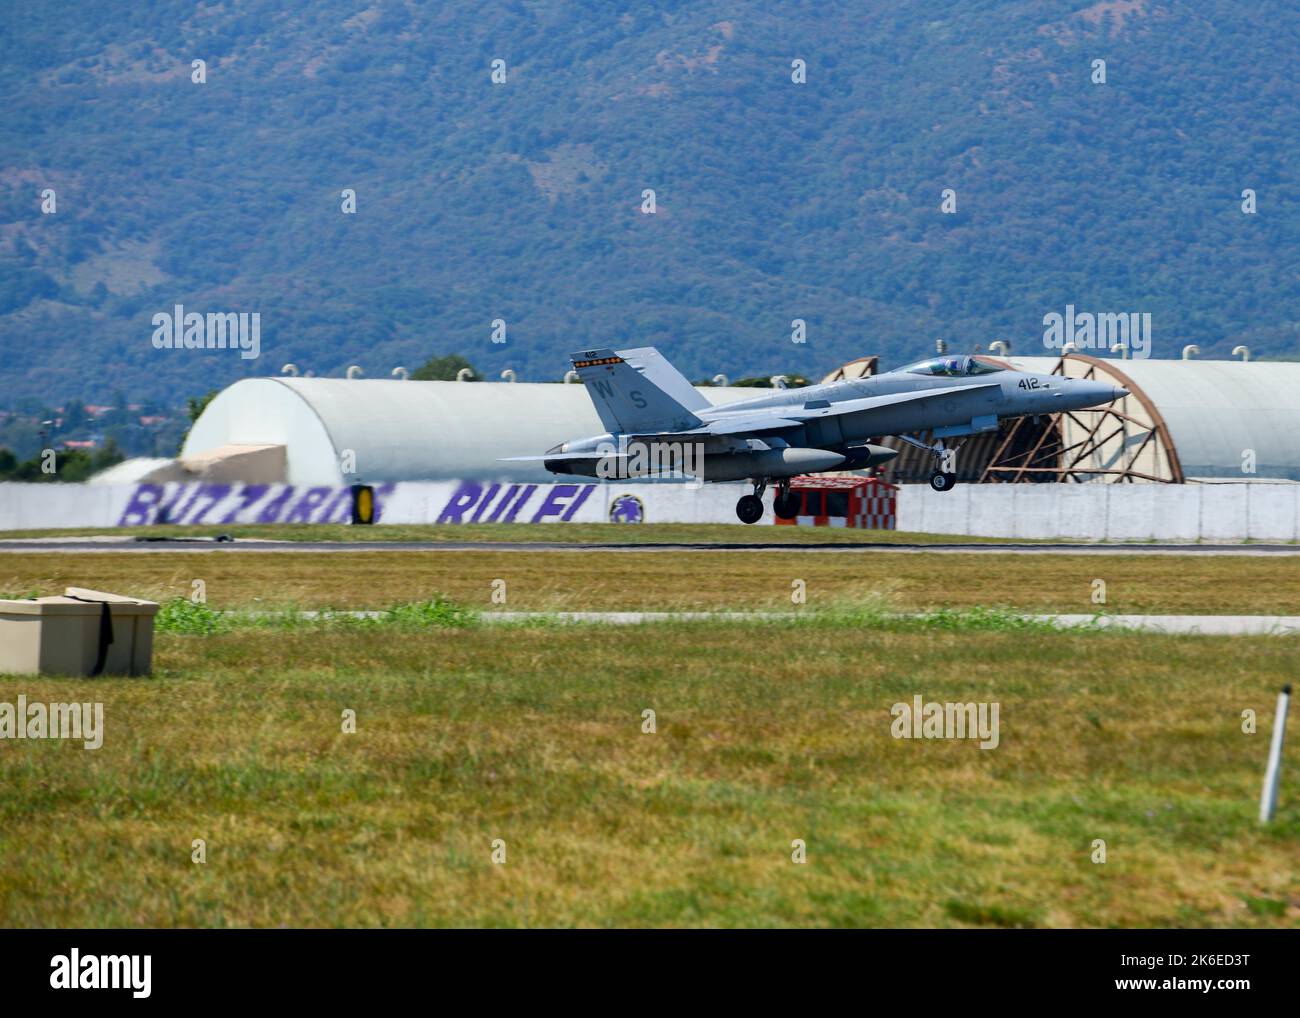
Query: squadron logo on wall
x=626 y=509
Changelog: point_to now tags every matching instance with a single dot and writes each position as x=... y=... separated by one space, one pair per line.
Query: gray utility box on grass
x=83 y=632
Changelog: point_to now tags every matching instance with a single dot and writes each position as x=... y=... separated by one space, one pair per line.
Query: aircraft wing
x=743 y=422
x=816 y=409
x=760 y=421
x=590 y=454
x=739 y=424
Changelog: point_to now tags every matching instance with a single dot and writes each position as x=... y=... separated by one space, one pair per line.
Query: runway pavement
x=1183 y=625
x=1204 y=625
x=134 y=546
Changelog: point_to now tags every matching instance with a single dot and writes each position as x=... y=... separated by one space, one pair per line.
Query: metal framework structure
x=1120 y=443
x=1124 y=442
x=863 y=367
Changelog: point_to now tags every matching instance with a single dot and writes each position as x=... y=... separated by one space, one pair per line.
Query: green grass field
x=603 y=581
x=765 y=733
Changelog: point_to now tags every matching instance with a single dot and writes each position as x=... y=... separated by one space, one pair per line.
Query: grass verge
x=512 y=533
x=596 y=581
x=536 y=736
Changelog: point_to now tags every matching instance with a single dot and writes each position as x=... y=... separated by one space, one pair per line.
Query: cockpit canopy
x=952 y=367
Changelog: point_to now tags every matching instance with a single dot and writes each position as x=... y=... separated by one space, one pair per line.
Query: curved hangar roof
x=402 y=430
x=1204 y=414
x=1211 y=412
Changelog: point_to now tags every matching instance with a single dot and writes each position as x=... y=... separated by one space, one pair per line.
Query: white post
x=1273 y=773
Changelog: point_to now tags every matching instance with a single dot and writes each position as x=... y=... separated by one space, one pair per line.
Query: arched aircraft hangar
x=328 y=431
x=1183 y=420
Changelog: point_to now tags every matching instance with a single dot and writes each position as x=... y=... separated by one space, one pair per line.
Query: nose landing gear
x=940 y=481
x=944 y=476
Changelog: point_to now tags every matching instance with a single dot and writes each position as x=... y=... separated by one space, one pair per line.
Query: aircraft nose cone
x=1083 y=394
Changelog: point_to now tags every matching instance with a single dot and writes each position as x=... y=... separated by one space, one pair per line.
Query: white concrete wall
x=1115 y=512
x=1089 y=512
x=48 y=506
x=52 y=506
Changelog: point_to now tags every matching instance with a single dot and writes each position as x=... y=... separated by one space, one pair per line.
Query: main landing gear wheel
x=785 y=505
x=940 y=481
x=749 y=509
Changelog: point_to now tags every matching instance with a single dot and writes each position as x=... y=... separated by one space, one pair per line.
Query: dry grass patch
x=766 y=733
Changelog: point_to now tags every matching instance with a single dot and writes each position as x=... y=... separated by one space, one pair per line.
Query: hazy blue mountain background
x=522 y=201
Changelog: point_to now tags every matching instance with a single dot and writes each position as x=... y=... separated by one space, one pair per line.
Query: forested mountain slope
x=523 y=200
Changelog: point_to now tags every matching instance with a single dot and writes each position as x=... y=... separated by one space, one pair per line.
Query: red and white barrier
x=860 y=502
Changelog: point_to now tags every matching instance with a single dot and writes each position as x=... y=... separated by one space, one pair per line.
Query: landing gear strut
x=940 y=480
x=785 y=505
x=750 y=507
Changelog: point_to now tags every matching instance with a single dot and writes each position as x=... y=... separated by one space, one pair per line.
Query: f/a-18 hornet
x=644 y=403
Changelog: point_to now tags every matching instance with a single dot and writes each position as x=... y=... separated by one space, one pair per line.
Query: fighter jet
x=647 y=406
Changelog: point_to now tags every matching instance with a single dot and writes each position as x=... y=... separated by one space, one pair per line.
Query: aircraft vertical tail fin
x=654 y=366
x=628 y=399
